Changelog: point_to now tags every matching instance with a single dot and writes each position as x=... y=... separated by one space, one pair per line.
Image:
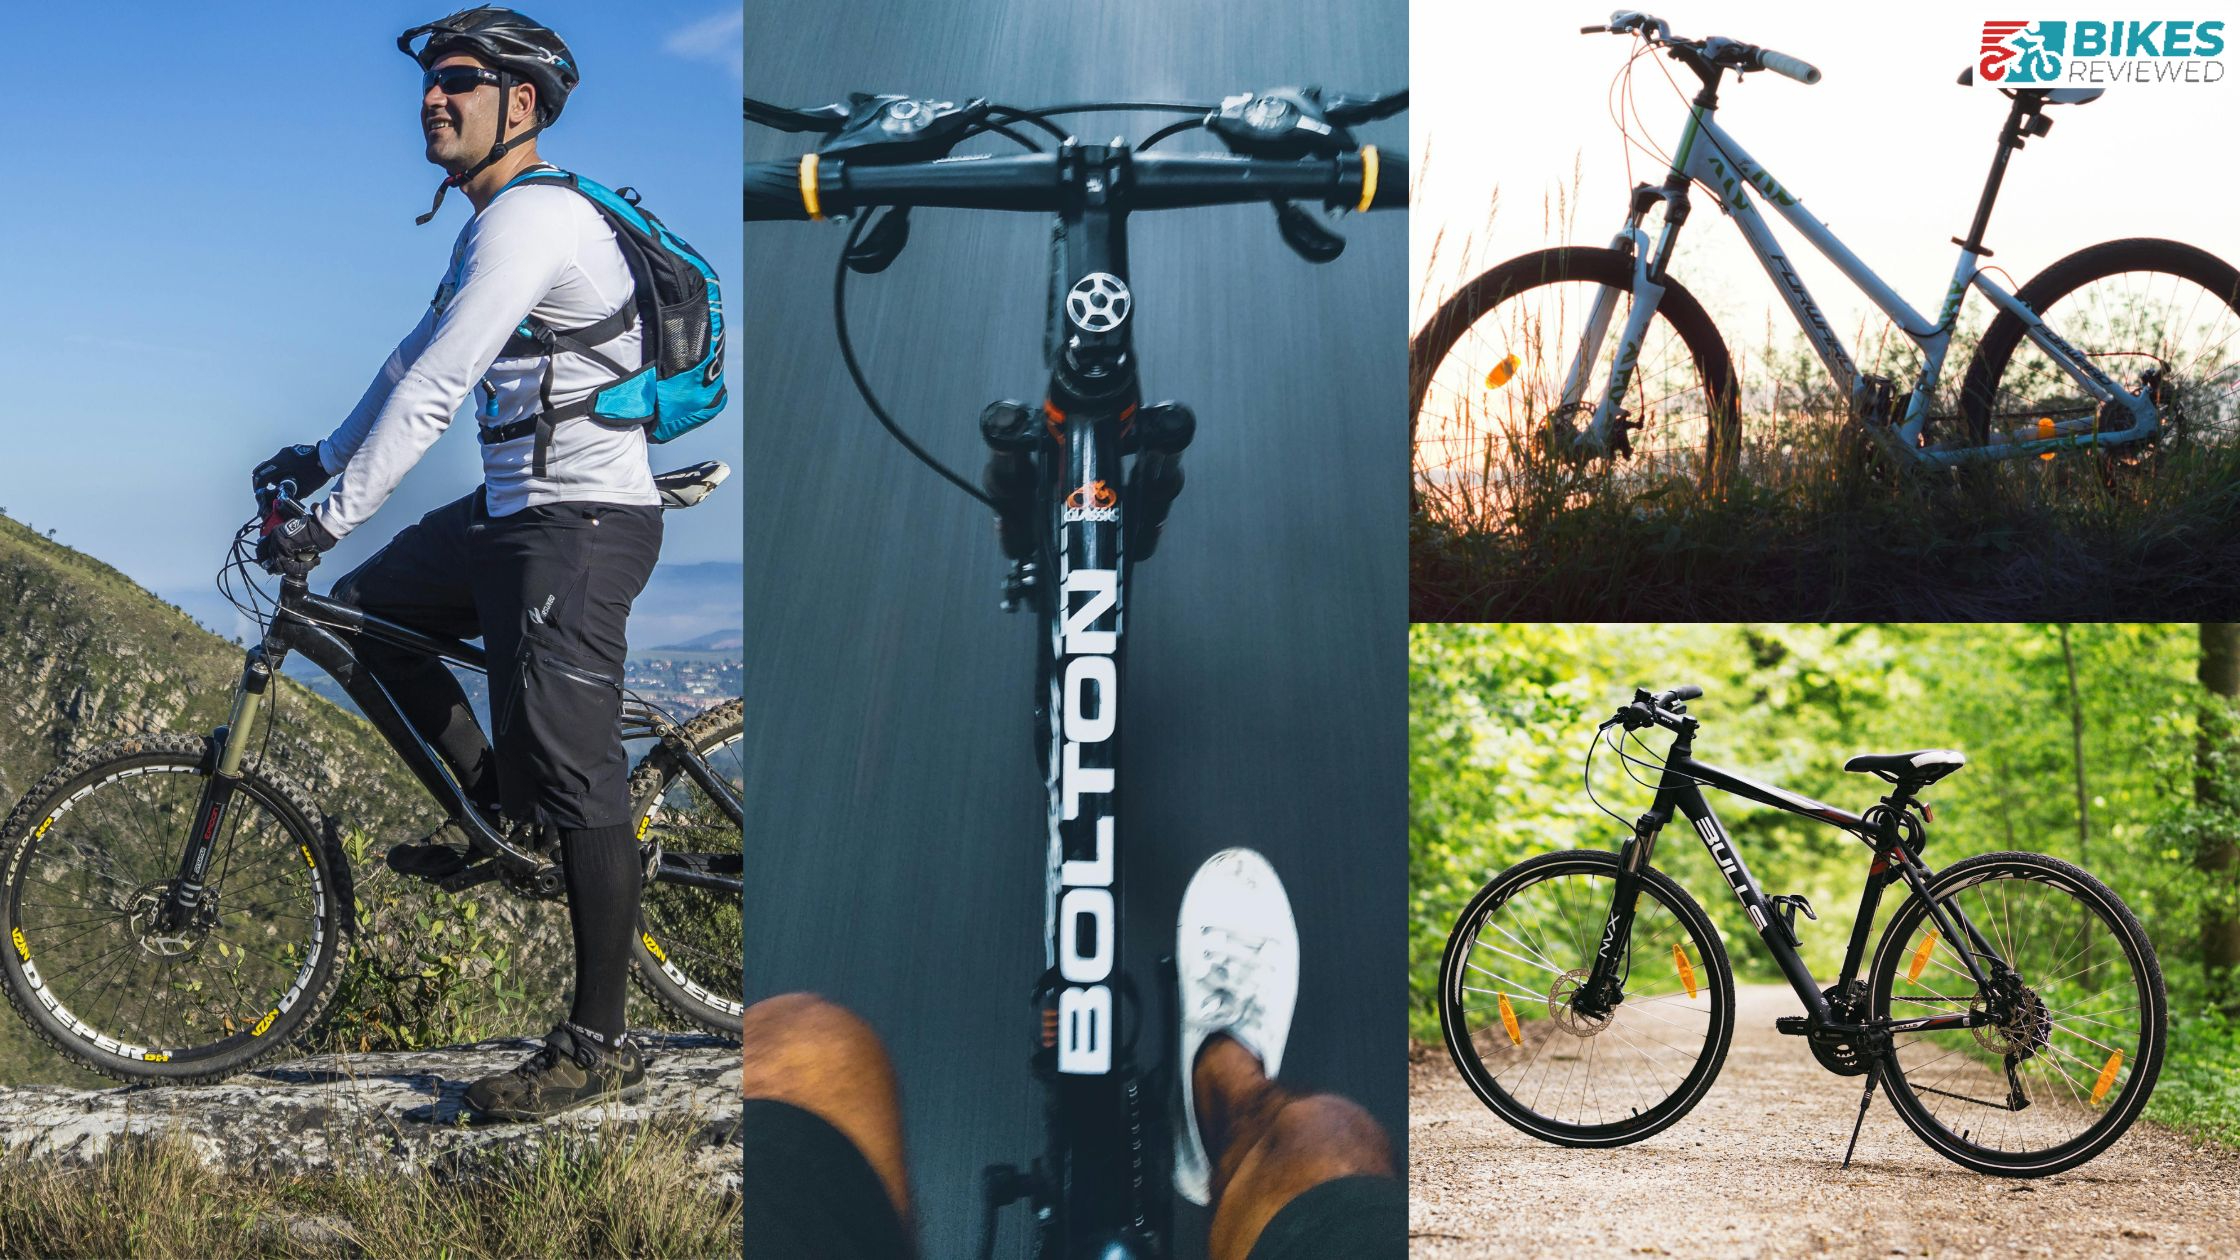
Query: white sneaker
x=1237 y=966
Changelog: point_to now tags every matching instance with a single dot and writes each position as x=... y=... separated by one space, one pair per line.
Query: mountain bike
x=1575 y=354
x=178 y=909
x=2013 y=1008
x=1081 y=487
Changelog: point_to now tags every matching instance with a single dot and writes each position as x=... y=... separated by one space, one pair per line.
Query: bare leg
x=1270 y=1145
x=820 y=1057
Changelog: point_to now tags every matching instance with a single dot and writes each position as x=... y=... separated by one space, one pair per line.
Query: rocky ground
x=1754 y=1171
x=395 y=1111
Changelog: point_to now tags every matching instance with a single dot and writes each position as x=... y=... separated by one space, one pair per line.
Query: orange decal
x=1094 y=495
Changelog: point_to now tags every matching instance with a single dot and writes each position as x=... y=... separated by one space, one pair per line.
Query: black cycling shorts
x=1352 y=1217
x=807 y=1191
x=549 y=590
x=810 y=1192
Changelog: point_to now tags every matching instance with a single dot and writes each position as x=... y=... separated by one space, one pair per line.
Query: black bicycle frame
x=1094 y=1194
x=1681 y=789
x=323 y=630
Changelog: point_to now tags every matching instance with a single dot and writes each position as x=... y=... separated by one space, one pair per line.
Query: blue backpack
x=679 y=385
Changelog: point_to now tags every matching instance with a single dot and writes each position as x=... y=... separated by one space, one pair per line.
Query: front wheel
x=1516 y=960
x=89 y=855
x=2075 y=1010
x=2155 y=316
x=1486 y=378
x=687 y=953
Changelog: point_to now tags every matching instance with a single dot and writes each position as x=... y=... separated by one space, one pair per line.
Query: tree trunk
x=2218 y=857
x=2076 y=751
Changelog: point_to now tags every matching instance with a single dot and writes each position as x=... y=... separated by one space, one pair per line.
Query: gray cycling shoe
x=1237 y=965
x=571 y=1071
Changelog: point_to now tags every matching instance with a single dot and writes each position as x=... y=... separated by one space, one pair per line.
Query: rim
x=2078 y=1022
x=84 y=949
x=1493 y=398
x=1586 y=1077
x=694 y=934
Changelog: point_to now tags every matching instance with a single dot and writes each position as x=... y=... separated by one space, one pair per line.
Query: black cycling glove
x=292 y=548
x=299 y=464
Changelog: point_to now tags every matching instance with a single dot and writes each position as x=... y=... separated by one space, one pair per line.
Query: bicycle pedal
x=1793 y=1025
x=480 y=873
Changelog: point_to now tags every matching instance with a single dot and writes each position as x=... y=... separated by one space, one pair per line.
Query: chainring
x=1846 y=1004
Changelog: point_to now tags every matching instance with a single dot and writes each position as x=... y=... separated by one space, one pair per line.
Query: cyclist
x=1290 y=1175
x=544 y=559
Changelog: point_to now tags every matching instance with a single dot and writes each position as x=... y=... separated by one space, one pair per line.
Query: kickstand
x=1856 y=1125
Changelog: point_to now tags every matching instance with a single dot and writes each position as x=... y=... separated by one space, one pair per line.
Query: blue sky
x=209 y=249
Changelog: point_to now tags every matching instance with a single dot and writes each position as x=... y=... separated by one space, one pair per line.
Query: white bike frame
x=1709 y=156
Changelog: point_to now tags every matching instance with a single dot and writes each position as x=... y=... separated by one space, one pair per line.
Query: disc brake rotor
x=1561 y=1011
x=147 y=900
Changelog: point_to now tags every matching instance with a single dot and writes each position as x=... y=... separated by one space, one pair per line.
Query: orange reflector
x=2045 y=433
x=2107 y=1076
x=1509 y=1020
x=1687 y=973
x=1502 y=371
x=1921 y=955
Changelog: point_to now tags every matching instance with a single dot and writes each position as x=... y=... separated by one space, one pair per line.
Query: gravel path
x=1753 y=1171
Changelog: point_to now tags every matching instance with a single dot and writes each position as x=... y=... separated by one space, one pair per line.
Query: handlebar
x=814 y=188
x=1710 y=53
x=1663 y=708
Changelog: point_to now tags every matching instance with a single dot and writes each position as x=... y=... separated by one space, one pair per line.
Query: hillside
x=87 y=656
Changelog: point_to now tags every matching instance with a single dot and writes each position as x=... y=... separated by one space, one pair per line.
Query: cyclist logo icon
x=1098 y=302
x=1093 y=502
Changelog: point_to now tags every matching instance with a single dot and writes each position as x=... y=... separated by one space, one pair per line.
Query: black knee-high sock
x=601 y=865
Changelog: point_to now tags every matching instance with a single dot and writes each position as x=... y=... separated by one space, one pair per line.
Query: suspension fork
x=1603 y=988
x=232 y=744
x=1648 y=290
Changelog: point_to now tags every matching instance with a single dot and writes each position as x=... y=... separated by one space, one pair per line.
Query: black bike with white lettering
x=2013 y=1007
x=1081 y=486
x=178 y=907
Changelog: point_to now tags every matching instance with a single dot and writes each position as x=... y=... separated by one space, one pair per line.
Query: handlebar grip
x=773 y=191
x=1679 y=694
x=1787 y=66
x=1392 y=181
x=1592 y=30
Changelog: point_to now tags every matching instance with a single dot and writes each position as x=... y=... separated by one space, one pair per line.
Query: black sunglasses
x=457 y=80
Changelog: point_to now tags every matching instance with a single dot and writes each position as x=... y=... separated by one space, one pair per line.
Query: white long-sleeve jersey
x=538 y=251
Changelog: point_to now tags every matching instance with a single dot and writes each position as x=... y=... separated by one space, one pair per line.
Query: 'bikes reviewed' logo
x=2088 y=53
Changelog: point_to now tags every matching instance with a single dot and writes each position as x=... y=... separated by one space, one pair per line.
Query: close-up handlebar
x=1709 y=54
x=818 y=188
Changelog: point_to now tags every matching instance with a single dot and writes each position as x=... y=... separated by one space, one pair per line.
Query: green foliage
x=1502 y=717
x=430 y=969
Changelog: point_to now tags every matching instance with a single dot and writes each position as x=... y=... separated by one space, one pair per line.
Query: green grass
x=2199 y=1091
x=614 y=1193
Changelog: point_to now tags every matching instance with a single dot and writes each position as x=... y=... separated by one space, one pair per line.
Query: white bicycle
x=1586 y=354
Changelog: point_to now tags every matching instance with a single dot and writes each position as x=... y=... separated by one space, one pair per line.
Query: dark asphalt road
x=895 y=828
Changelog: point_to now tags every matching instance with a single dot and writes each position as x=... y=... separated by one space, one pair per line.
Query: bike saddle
x=684 y=487
x=1923 y=767
x=2048 y=96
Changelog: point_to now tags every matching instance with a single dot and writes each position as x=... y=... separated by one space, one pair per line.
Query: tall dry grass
x=638 y=1192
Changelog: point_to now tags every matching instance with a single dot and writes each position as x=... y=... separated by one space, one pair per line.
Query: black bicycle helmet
x=515 y=45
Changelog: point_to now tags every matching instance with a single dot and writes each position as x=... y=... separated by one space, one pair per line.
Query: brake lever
x=824 y=118
x=1307 y=237
x=882 y=242
x=1346 y=110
